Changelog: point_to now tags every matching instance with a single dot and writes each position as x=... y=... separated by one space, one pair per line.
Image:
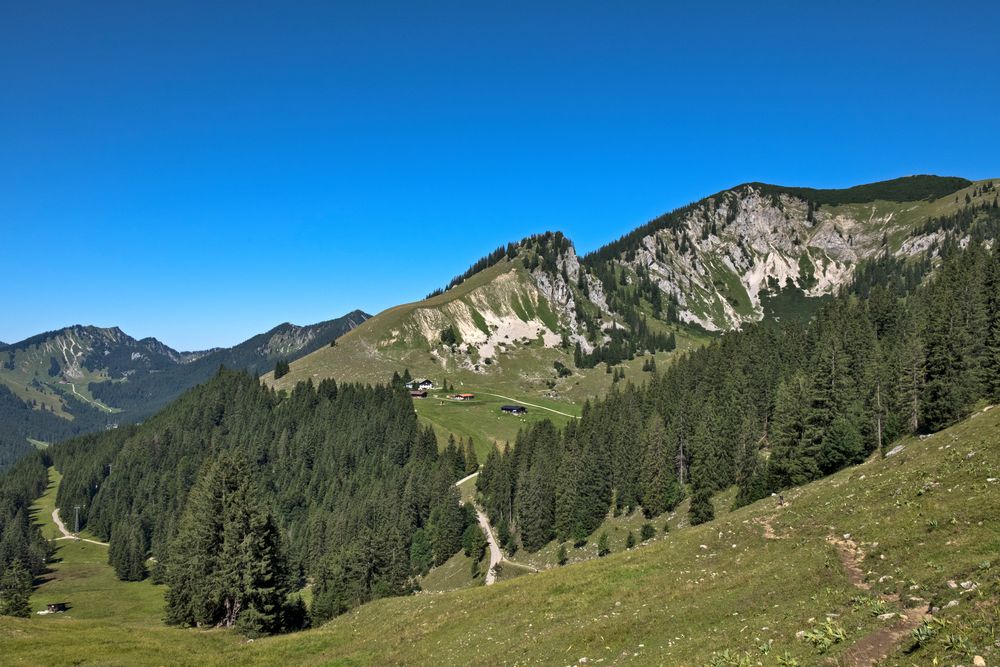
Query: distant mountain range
x=84 y=378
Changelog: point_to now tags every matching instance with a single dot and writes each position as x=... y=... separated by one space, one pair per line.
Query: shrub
x=647 y=532
x=602 y=545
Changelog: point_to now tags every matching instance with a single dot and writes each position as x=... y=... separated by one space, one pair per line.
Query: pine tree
x=15 y=590
x=474 y=542
x=602 y=544
x=991 y=352
x=421 y=552
x=535 y=509
x=794 y=457
x=832 y=390
x=911 y=374
x=446 y=525
x=647 y=532
x=701 y=510
x=842 y=446
x=281 y=368
x=751 y=481
x=956 y=328
x=630 y=540
x=127 y=553
x=471 y=460
x=567 y=493
x=562 y=557
x=661 y=491
x=228 y=558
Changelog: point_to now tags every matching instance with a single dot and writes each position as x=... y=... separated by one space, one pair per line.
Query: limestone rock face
x=730 y=250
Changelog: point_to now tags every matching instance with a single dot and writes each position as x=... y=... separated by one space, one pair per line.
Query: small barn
x=513 y=409
x=418 y=394
x=464 y=397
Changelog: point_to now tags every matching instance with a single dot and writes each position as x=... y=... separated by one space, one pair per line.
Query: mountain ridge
x=82 y=378
x=735 y=257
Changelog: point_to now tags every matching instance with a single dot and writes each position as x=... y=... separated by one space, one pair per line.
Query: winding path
x=496 y=556
x=66 y=535
x=531 y=405
x=879 y=644
x=84 y=398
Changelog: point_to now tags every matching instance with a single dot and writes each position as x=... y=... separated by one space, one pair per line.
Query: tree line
x=23 y=550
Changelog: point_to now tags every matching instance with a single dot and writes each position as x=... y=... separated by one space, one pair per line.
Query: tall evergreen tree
x=535 y=509
x=127 y=553
x=471 y=460
x=991 y=352
x=228 y=558
x=15 y=590
x=661 y=491
x=701 y=510
x=794 y=456
x=751 y=469
x=446 y=525
x=421 y=552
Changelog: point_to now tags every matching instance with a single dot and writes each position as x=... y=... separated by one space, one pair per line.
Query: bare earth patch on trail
x=878 y=645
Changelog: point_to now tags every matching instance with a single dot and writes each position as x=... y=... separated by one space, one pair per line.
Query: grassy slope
x=907 y=216
x=30 y=381
x=367 y=354
x=481 y=418
x=930 y=509
x=924 y=516
x=109 y=621
x=453 y=574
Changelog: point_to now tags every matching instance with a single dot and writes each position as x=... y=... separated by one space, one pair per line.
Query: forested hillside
x=82 y=379
x=773 y=406
x=337 y=484
x=23 y=551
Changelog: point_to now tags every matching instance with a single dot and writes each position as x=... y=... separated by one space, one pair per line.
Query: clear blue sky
x=200 y=172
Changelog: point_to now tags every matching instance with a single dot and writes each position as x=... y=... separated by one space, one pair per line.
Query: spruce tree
x=794 y=456
x=661 y=491
x=127 y=553
x=751 y=481
x=603 y=549
x=535 y=509
x=567 y=493
x=701 y=510
x=421 y=552
x=471 y=460
x=228 y=557
x=842 y=446
x=446 y=525
x=647 y=532
x=474 y=542
x=15 y=590
x=991 y=352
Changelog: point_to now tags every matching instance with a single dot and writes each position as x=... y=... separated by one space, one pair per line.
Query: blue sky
x=200 y=172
